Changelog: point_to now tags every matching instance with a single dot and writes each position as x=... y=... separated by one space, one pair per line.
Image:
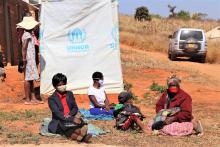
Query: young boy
x=127 y=115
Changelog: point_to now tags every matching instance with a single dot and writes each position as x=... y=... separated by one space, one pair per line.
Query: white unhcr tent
x=79 y=37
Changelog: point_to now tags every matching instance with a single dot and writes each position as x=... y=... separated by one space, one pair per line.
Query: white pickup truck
x=188 y=42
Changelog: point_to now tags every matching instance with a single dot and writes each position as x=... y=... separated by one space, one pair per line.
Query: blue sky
x=210 y=7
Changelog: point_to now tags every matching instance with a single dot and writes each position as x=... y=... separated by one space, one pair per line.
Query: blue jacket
x=57 y=110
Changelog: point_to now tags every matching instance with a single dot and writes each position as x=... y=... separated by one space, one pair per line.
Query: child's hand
x=78 y=115
x=137 y=114
x=76 y=120
x=126 y=113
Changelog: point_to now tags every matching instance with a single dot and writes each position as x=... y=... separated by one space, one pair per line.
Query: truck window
x=186 y=34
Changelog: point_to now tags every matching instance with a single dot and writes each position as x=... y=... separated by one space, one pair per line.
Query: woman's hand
x=24 y=63
x=76 y=120
x=66 y=116
x=169 y=120
x=107 y=108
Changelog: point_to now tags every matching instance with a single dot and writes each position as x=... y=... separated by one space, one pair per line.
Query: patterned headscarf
x=173 y=80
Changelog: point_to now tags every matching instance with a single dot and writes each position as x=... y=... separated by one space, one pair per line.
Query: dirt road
x=210 y=70
x=200 y=80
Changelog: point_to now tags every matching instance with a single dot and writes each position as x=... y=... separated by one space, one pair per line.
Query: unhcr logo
x=115 y=33
x=115 y=38
x=77 y=42
x=77 y=35
x=41 y=40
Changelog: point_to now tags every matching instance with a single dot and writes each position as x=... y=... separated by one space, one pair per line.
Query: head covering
x=124 y=97
x=173 y=81
x=28 y=23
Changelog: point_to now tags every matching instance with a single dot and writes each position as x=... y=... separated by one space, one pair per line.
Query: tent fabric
x=78 y=38
x=214 y=33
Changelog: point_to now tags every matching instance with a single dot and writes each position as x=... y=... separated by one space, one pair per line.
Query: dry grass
x=213 y=55
x=153 y=35
x=137 y=59
x=17 y=135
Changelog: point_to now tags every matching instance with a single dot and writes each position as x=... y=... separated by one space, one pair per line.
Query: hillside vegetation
x=153 y=35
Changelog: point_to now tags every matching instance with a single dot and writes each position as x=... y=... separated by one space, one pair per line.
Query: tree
x=183 y=14
x=199 y=16
x=172 y=9
x=142 y=14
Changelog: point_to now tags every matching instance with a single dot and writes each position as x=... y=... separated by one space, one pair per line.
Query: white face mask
x=61 y=88
x=101 y=82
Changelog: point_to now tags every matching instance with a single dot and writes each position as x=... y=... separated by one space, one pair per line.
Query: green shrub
x=142 y=14
x=183 y=15
x=146 y=95
x=29 y=114
x=155 y=87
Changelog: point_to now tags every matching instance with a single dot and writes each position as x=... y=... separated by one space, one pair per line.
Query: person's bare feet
x=198 y=128
x=30 y=102
x=37 y=101
x=147 y=131
x=86 y=138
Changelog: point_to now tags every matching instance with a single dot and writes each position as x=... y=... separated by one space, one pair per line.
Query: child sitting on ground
x=127 y=115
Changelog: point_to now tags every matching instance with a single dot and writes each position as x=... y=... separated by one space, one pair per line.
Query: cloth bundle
x=162 y=115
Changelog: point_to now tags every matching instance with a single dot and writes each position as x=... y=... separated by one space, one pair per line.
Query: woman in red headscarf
x=174 y=111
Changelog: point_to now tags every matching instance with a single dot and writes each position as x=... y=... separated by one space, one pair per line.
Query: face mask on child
x=61 y=88
x=101 y=82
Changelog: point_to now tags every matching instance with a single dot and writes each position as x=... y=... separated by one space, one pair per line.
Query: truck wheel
x=173 y=57
x=202 y=59
x=169 y=56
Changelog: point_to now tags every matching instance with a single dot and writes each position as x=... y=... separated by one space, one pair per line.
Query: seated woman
x=99 y=103
x=66 y=120
x=174 y=112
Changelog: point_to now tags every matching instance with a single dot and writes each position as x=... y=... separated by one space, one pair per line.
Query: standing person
x=28 y=58
x=99 y=103
x=66 y=120
x=35 y=35
x=2 y=72
x=174 y=112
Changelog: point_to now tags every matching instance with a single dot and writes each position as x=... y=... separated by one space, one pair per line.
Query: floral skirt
x=175 y=129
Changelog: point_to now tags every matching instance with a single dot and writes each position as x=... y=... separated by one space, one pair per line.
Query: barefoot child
x=127 y=115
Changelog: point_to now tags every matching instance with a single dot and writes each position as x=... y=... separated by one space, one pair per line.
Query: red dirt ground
x=12 y=91
x=203 y=95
